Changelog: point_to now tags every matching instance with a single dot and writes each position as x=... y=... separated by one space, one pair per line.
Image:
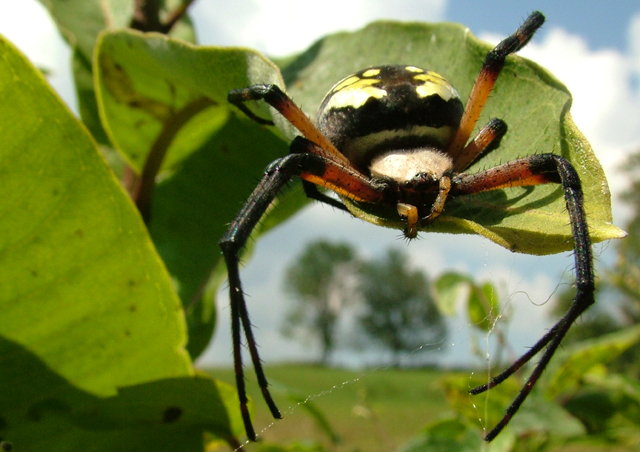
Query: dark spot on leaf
x=133 y=308
x=46 y=407
x=127 y=333
x=5 y=446
x=171 y=414
x=34 y=273
x=79 y=233
x=131 y=282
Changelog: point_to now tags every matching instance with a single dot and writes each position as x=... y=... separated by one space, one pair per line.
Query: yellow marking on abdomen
x=371 y=72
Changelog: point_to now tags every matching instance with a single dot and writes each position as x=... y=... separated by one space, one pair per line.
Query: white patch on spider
x=404 y=164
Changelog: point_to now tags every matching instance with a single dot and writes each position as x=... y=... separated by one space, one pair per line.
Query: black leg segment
x=551 y=168
x=275 y=177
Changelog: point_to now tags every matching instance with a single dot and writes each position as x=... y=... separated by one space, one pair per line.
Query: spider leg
x=534 y=170
x=487 y=139
x=493 y=64
x=311 y=190
x=342 y=179
x=275 y=97
x=305 y=162
x=444 y=187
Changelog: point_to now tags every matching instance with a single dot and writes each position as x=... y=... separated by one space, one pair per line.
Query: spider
x=393 y=143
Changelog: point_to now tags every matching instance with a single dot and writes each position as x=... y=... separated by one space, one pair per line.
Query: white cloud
x=28 y=26
x=282 y=27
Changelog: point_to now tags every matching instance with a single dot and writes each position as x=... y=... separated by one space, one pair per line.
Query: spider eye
x=389 y=107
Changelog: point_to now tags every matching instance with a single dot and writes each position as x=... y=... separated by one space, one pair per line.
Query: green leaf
x=446 y=435
x=568 y=370
x=163 y=102
x=483 y=305
x=539 y=416
x=150 y=83
x=546 y=417
x=296 y=446
x=80 y=22
x=448 y=288
x=88 y=308
x=533 y=103
x=616 y=383
x=610 y=403
x=482 y=301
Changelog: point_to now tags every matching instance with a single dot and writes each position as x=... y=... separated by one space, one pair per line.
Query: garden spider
x=393 y=143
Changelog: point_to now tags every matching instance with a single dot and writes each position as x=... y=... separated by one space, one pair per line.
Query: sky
x=592 y=46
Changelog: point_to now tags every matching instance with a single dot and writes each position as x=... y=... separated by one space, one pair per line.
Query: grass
x=366 y=410
x=375 y=410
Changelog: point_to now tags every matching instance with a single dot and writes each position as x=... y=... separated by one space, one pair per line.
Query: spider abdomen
x=389 y=107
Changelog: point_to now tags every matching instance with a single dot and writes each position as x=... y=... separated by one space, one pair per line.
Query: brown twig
x=174 y=16
x=142 y=192
x=146 y=16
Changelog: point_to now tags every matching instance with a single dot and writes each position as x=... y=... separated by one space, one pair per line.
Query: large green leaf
x=161 y=97
x=533 y=103
x=88 y=310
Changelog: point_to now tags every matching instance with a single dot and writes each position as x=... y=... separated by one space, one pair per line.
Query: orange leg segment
x=488 y=138
x=342 y=179
x=275 y=97
x=517 y=173
x=493 y=64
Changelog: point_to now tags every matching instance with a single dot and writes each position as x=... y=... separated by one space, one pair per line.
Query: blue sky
x=600 y=24
x=592 y=46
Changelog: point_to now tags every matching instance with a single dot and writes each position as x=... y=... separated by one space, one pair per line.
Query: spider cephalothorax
x=393 y=143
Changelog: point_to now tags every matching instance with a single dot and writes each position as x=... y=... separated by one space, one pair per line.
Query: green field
x=380 y=410
x=369 y=410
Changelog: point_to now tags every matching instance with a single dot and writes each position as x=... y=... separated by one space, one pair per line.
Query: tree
x=321 y=279
x=398 y=311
